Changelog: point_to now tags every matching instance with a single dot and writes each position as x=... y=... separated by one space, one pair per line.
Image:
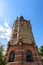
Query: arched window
x=12 y=56
x=28 y=56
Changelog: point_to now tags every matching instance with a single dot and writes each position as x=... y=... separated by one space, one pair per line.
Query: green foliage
x=2 y=62
x=1 y=52
x=41 y=52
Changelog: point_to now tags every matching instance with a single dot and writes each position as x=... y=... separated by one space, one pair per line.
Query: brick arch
x=11 y=56
x=29 y=57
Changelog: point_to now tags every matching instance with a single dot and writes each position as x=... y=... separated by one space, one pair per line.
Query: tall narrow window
x=12 y=56
x=28 y=56
x=14 y=36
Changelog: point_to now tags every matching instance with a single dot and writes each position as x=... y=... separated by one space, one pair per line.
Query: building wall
x=20 y=54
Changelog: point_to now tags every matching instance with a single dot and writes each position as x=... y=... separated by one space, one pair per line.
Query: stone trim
x=24 y=50
x=20 y=55
x=25 y=62
x=19 y=44
x=20 y=50
x=24 y=55
x=35 y=56
x=34 y=51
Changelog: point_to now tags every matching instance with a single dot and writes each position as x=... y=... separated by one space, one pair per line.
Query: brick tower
x=22 y=49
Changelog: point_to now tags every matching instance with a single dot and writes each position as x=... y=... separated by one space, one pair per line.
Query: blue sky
x=30 y=9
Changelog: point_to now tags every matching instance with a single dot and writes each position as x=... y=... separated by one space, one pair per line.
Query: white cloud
x=1 y=28
x=6 y=24
x=6 y=31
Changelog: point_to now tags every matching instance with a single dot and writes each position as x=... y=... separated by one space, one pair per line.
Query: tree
x=2 y=62
x=41 y=52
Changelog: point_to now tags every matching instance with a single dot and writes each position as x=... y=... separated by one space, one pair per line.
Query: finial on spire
x=16 y=18
x=21 y=17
